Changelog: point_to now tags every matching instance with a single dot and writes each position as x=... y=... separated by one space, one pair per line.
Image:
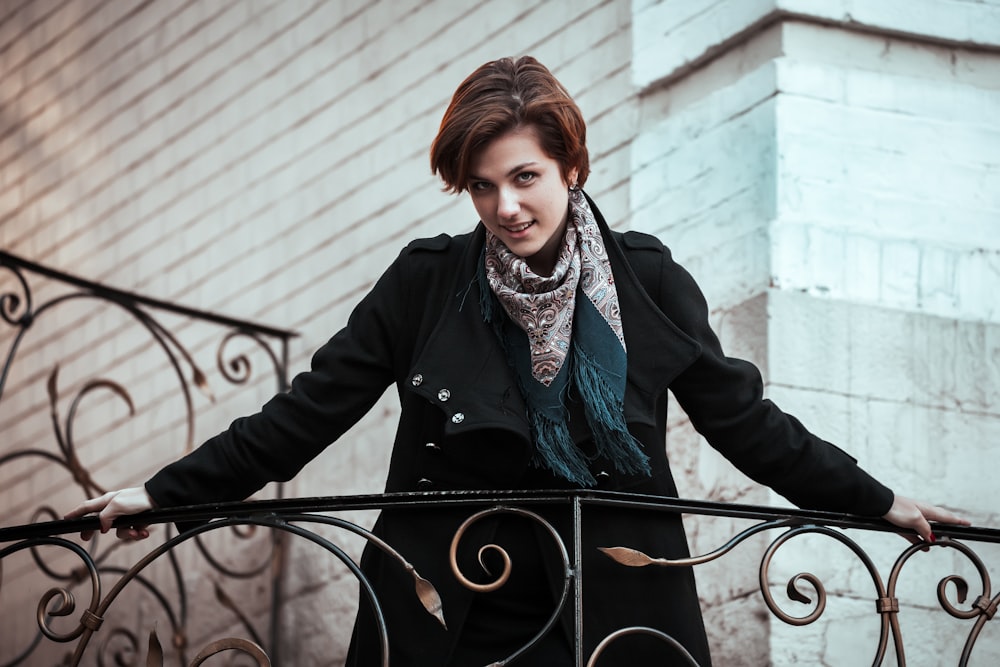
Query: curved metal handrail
x=296 y=517
x=23 y=313
x=291 y=516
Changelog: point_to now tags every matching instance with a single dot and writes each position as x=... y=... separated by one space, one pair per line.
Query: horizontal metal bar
x=423 y=500
x=118 y=295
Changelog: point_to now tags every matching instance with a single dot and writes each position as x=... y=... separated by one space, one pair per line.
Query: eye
x=479 y=186
x=525 y=177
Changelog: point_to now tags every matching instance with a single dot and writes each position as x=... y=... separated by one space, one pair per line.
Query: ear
x=571 y=177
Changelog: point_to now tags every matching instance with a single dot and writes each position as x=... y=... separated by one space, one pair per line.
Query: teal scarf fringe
x=596 y=366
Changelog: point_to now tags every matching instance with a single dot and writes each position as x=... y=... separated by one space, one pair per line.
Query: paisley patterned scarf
x=560 y=330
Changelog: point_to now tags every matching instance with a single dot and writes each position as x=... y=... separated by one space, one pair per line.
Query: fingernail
x=933 y=539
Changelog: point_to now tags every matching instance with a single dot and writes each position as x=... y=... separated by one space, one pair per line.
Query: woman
x=532 y=353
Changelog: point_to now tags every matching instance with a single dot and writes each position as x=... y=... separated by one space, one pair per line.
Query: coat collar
x=463 y=369
x=658 y=350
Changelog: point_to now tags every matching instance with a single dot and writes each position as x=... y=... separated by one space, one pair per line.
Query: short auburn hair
x=498 y=97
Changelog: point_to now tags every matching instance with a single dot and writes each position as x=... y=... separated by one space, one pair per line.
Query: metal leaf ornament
x=154 y=655
x=631 y=557
x=428 y=596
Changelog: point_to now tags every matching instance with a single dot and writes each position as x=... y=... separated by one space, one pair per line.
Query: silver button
x=444 y=395
x=601 y=476
x=417 y=380
x=432 y=445
x=424 y=483
x=458 y=418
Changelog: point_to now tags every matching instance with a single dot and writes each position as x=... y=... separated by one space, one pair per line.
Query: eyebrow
x=514 y=170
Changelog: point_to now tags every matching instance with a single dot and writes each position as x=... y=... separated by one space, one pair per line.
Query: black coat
x=462 y=426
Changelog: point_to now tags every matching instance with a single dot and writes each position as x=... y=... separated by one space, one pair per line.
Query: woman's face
x=521 y=197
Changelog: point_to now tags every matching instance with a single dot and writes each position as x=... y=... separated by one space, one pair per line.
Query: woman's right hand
x=112 y=505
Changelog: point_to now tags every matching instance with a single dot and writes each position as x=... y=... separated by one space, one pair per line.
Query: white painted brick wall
x=266 y=160
x=866 y=135
x=674 y=36
x=833 y=189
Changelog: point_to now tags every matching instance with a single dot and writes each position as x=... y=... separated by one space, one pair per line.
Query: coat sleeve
x=724 y=397
x=348 y=375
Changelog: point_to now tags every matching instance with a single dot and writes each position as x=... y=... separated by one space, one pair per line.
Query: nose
x=508 y=204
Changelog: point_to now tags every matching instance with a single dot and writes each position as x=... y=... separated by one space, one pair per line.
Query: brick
x=670 y=35
x=976 y=22
x=833 y=191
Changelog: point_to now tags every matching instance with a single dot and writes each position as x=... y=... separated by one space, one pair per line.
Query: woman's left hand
x=915 y=515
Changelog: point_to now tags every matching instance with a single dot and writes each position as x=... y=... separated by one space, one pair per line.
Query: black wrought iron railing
x=41 y=307
x=81 y=597
x=71 y=603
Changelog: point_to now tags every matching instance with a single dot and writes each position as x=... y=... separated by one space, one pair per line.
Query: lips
x=520 y=227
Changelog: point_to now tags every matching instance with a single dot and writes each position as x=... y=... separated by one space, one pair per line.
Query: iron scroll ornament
x=887 y=605
x=285 y=513
x=23 y=311
x=503 y=576
x=93 y=616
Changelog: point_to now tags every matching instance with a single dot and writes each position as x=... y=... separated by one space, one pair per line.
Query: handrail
x=419 y=500
x=302 y=518
x=293 y=515
x=20 y=312
x=119 y=295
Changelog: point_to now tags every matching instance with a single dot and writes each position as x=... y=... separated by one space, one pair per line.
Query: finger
x=89 y=506
x=107 y=517
x=75 y=513
x=132 y=533
x=914 y=539
x=942 y=515
x=923 y=529
x=85 y=508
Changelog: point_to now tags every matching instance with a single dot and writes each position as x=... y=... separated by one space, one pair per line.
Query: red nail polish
x=933 y=539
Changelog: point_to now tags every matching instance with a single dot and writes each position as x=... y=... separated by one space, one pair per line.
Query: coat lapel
x=463 y=370
x=657 y=349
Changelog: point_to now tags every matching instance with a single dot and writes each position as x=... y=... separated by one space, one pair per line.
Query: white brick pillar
x=829 y=171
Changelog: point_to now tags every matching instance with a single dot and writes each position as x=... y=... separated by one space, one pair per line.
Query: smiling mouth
x=514 y=229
